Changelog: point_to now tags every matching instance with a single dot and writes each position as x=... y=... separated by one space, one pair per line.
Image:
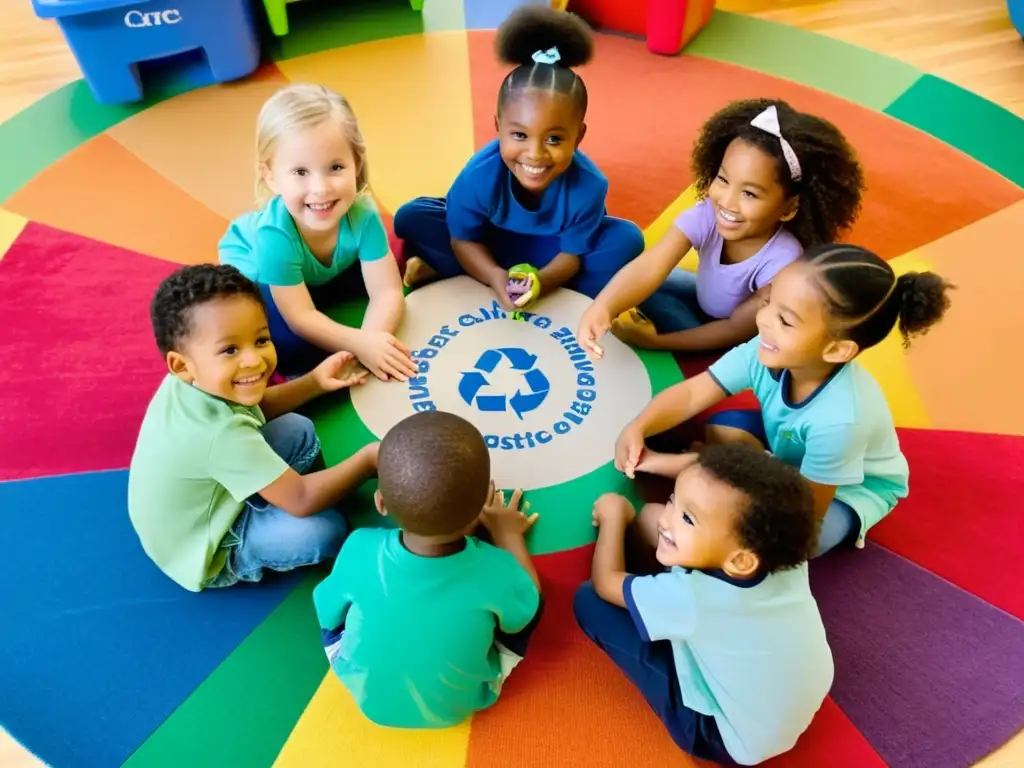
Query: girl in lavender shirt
x=771 y=181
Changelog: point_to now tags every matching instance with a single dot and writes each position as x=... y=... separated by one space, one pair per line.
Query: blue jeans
x=423 y=224
x=265 y=536
x=841 y=524
x=674 y=306
x=295 y=355
x=651 y=668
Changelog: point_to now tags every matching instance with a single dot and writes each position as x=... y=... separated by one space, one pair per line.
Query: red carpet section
x=80 y=363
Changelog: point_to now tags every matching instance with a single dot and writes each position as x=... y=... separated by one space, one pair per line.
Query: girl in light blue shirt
x=820 y=410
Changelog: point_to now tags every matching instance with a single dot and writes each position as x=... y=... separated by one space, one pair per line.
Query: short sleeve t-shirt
x=842 y=435
x=266 y=246
x=721 y=288
x=753 y=655
x=417 y=647
x=196 y=461
x=571 y=208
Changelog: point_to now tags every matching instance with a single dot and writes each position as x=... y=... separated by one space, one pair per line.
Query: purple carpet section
x=931 y=675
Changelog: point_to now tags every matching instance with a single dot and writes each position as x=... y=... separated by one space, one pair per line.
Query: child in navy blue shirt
x=530 y=196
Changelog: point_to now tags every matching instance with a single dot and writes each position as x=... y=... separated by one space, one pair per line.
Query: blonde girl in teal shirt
x=316 y=222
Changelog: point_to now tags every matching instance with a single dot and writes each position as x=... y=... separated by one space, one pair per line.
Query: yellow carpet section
x=11 y=225
x=332 y=732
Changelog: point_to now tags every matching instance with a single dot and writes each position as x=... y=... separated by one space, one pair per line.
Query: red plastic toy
x=666 y=25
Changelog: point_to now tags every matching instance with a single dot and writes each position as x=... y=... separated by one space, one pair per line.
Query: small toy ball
x=523 y=287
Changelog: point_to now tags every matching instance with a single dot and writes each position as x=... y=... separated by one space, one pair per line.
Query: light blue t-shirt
x=753 y=655
x=841 y=435
x=572 y=207
x=417 y=649
x=266 y=246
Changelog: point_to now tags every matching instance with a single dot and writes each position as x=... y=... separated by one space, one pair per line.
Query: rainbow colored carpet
x=107 y=663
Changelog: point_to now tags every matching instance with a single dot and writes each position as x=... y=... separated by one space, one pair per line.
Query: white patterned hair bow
x=768 y=121
x=550 y=56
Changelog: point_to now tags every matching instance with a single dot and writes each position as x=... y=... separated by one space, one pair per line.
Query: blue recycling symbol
x=527 y=398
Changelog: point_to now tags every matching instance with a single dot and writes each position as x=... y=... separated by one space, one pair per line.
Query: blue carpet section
x=99 y=647
x=488 y=14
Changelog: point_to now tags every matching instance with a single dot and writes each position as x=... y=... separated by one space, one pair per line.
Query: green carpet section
x=243 y=713
x=861 y=76
x=319 y=26
x=47 y=130
x=977 y=127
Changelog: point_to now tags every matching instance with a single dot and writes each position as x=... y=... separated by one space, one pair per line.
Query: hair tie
x=550 y=56
x=768 y=121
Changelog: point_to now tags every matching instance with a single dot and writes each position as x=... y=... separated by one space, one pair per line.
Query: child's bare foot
x=417 y=271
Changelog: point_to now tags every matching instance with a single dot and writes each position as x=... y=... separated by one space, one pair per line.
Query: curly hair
x=434 y=470
x=778 y=524
x=867 y=300
x=170 y=312
x=832 y=180
x=533 y=28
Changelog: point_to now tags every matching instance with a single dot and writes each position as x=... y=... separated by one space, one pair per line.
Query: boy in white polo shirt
x=727 y=644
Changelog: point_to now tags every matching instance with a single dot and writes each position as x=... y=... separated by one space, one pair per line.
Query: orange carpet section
x=641 y=139
x=104 y=192
x=568 y=699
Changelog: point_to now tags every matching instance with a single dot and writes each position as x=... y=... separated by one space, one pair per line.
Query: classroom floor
x=109 y=665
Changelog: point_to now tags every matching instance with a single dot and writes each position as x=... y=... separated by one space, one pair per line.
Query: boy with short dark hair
x=216 y=489
x=423 y=622
x=726 y=642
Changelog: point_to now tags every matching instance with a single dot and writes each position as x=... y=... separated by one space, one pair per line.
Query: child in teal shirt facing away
x=422 y=623
x=820 y=410
x=746 y=664
x=316 y=223
x=220 y=486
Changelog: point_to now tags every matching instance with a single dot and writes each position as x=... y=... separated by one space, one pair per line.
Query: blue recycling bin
x=110 y=38
x=1017 y=15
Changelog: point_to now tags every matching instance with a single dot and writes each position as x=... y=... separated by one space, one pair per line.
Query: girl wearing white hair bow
x=771 y=181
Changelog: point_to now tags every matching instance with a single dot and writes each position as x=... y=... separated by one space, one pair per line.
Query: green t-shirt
x=267 y=248
x=197 y=459
x=418 y=644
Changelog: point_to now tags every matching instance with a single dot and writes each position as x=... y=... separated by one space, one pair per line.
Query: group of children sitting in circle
x=423 y=621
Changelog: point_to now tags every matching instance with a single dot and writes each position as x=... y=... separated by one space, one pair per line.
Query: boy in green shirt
x=216 y=490
x=423 y=623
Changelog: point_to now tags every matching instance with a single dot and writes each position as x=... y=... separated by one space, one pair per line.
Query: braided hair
x=532 y=29
x=867 y=300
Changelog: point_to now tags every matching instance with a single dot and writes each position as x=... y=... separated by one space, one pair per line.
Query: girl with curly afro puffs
x=527 y=213
x=771 y=181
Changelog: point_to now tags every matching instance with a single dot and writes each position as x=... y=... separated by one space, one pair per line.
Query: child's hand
x=637 y=331
x=369 y=453
x=504 y=520
x=339 y=371
x=613 y=509
x=593 y=325
x=499 y=284
x=385 y=356
x=629 y=450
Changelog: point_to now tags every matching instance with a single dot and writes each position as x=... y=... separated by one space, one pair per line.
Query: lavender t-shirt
x=723 y=287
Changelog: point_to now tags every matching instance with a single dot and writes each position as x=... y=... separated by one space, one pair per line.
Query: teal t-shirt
x=196 y=461
x=753 y=655
x=842 y=435
x=417 y=650
x=266 y=246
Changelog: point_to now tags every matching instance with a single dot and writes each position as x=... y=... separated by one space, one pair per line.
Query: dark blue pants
x=295 y=355
x=423 y=225
x=651 y=668
x=674 y=306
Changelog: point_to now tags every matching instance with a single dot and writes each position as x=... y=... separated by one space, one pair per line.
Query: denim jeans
x=265 y=536
x=674 y=306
